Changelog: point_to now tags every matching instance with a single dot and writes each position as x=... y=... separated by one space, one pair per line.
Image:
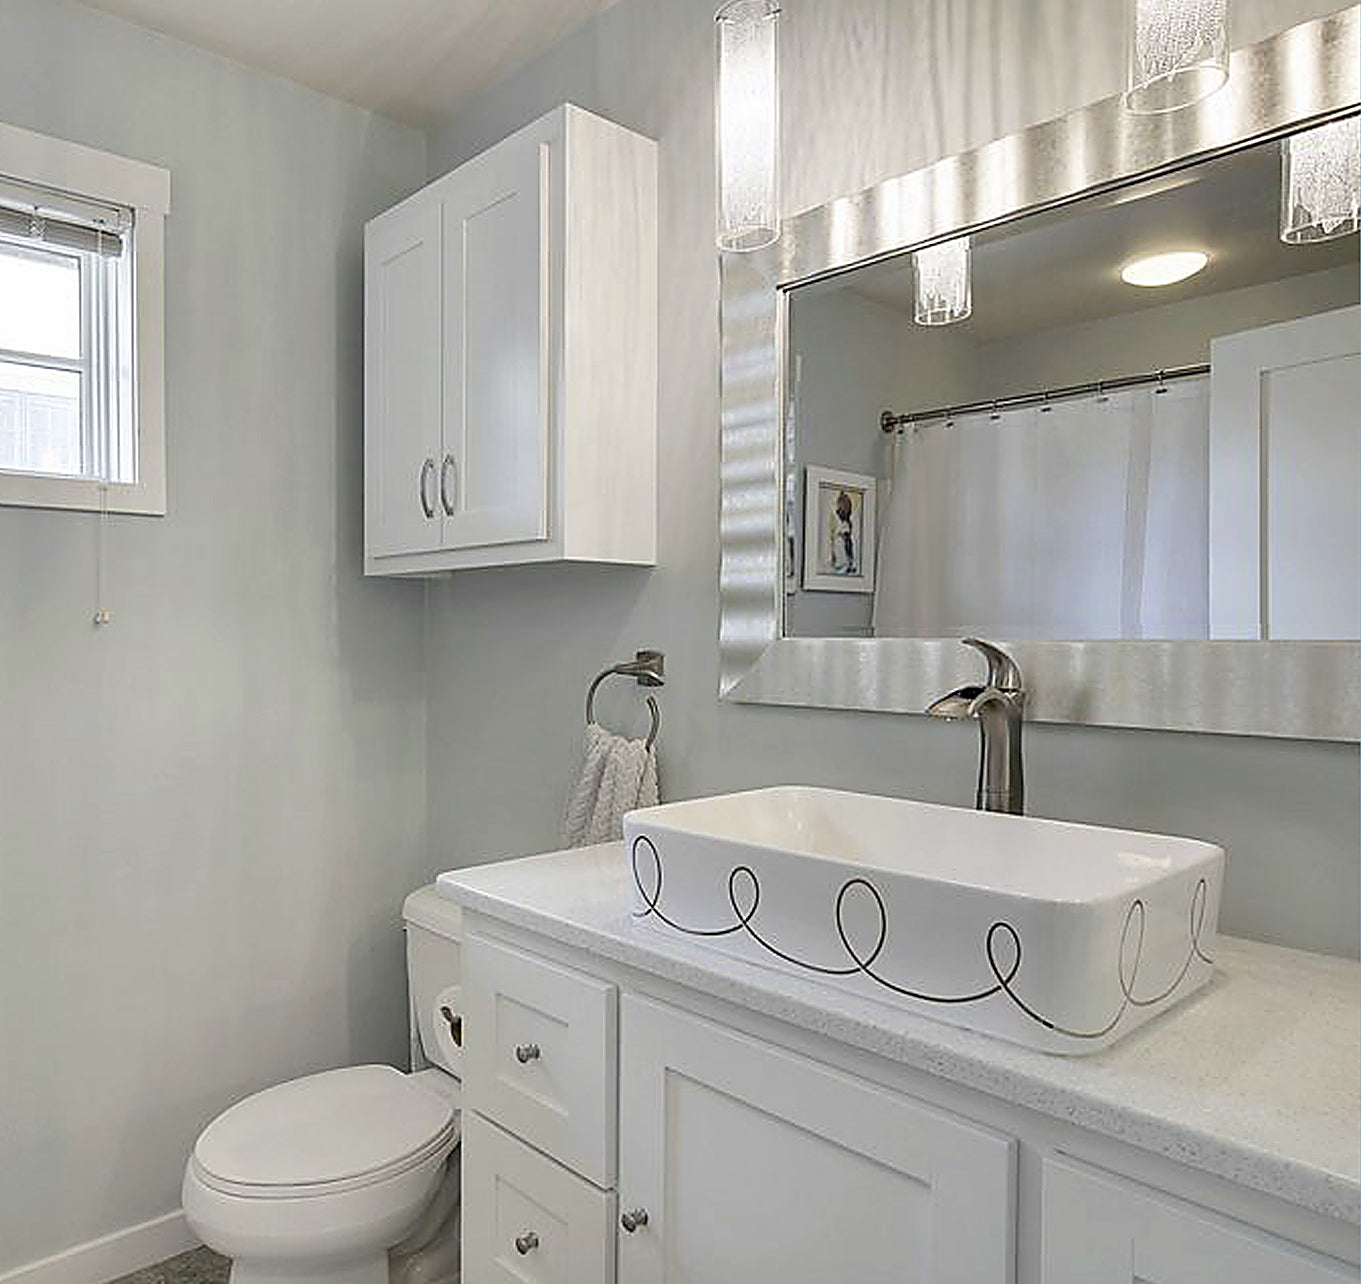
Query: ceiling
x=415 y=60
x=1063 y=267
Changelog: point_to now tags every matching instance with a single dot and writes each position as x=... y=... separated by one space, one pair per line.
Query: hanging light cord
x=102 y=613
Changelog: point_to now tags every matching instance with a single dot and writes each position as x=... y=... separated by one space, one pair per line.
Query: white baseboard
x=111 y=1256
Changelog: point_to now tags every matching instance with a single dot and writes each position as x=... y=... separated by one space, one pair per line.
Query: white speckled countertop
x=1256 y=1079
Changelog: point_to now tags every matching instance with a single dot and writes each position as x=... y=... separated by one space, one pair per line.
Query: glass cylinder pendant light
x=1178 y=53
x=1321 y=182
x=944 y=282
x=748 y=129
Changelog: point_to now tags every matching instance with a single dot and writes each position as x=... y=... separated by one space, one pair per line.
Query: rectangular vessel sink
x=1058 y=936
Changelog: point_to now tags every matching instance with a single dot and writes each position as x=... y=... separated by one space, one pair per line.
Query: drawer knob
x=455 y=1024
x=633 y=1219
x=526 y=1052
x=526 y=1243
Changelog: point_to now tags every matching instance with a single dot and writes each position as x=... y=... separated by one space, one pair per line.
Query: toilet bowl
x=349 y=1176
x=316 y=1179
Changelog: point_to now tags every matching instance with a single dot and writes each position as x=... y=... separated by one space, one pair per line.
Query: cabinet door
x=402 y=380
x=526 y=1218
x=755 y=1165
x=1099 y=1229
x=494 y=469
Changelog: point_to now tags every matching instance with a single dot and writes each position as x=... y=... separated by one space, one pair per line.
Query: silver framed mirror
x=1305 y=76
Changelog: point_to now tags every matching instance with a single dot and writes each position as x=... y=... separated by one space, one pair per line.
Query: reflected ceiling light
x=747 y=125
x=1178 y=53
x=1321 y=182
x=944 y=282
x=1163 y=269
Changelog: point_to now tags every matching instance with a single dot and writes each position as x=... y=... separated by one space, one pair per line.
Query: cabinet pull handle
x=633 y=1219
x=427 y=476
x=455 y=1024
x=445 y=469
x=526 y=1052
x=526 y=1243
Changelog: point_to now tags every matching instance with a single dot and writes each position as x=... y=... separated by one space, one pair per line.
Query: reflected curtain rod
x=889 y=422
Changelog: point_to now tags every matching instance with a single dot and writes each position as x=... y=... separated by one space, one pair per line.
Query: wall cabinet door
x=402 y=380
x=1100 y=1229
x=755 y=1165
x=494 y=469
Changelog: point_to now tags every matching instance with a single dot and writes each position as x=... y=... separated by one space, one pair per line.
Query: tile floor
x=199 y=1267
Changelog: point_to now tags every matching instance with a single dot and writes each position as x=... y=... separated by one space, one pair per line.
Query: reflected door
x=1285 y=481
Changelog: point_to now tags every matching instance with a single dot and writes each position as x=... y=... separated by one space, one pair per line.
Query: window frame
x=30 y=157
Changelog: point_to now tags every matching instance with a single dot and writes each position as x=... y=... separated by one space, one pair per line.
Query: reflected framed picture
x=838 y=531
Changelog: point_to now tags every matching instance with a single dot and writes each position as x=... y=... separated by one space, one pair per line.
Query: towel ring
x=647 y=669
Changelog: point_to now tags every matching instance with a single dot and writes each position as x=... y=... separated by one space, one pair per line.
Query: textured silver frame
x=1311 y=690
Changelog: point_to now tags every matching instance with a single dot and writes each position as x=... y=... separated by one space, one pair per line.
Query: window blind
x=47 y=217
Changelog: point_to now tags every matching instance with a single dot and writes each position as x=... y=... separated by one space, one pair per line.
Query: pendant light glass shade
x=1321 y=182
x=747 y=127
x=1178 y=53
x=943 y=276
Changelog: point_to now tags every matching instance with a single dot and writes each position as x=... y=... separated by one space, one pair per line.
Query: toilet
x=350 y=1176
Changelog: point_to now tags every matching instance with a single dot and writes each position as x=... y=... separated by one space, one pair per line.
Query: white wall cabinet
x=759 y=1165
x=510 y=357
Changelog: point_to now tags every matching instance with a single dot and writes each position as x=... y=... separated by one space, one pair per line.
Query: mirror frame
x=1305 y=75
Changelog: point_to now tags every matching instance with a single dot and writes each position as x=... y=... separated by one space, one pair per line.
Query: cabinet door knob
x=455 y=1024
x=633 y=1219
x=427 y=476
x=526 y=1243
x=526 y=1052
x=445 y=492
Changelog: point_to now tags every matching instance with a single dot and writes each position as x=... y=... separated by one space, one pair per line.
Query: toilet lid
x=324 y=1129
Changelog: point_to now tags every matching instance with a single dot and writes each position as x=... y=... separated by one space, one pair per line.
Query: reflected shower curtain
x=1087 y=519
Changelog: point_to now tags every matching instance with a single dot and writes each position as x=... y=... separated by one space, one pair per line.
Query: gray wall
x=871 y=87
x=855 y=359
x=209 y=811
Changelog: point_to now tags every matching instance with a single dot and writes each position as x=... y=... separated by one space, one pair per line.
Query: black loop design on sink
x=744 y=886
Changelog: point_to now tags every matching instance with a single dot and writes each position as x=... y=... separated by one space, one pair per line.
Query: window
x=81 y=332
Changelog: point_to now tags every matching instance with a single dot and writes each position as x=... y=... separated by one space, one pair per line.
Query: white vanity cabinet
x=737 y=1160
x=622 y=1127
x=510 y=350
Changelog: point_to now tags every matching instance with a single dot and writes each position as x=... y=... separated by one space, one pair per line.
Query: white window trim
x=30 y=157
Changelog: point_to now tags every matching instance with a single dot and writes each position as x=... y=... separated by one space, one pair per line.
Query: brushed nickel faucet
x=998 y=705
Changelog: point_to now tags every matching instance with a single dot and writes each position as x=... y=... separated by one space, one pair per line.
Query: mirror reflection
x=1135 y=416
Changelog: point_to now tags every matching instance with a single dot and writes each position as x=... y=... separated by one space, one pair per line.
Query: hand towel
x=617 y=775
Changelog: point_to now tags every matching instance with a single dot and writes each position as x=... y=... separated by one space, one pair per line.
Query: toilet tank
x=434 y=971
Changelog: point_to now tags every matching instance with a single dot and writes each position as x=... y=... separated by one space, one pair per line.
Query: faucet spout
x=957 y=704
x=999 y=706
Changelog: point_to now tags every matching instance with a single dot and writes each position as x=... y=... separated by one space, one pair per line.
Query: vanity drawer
x=1098 y=1228
x=526 y=1218
x=540 y=1054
